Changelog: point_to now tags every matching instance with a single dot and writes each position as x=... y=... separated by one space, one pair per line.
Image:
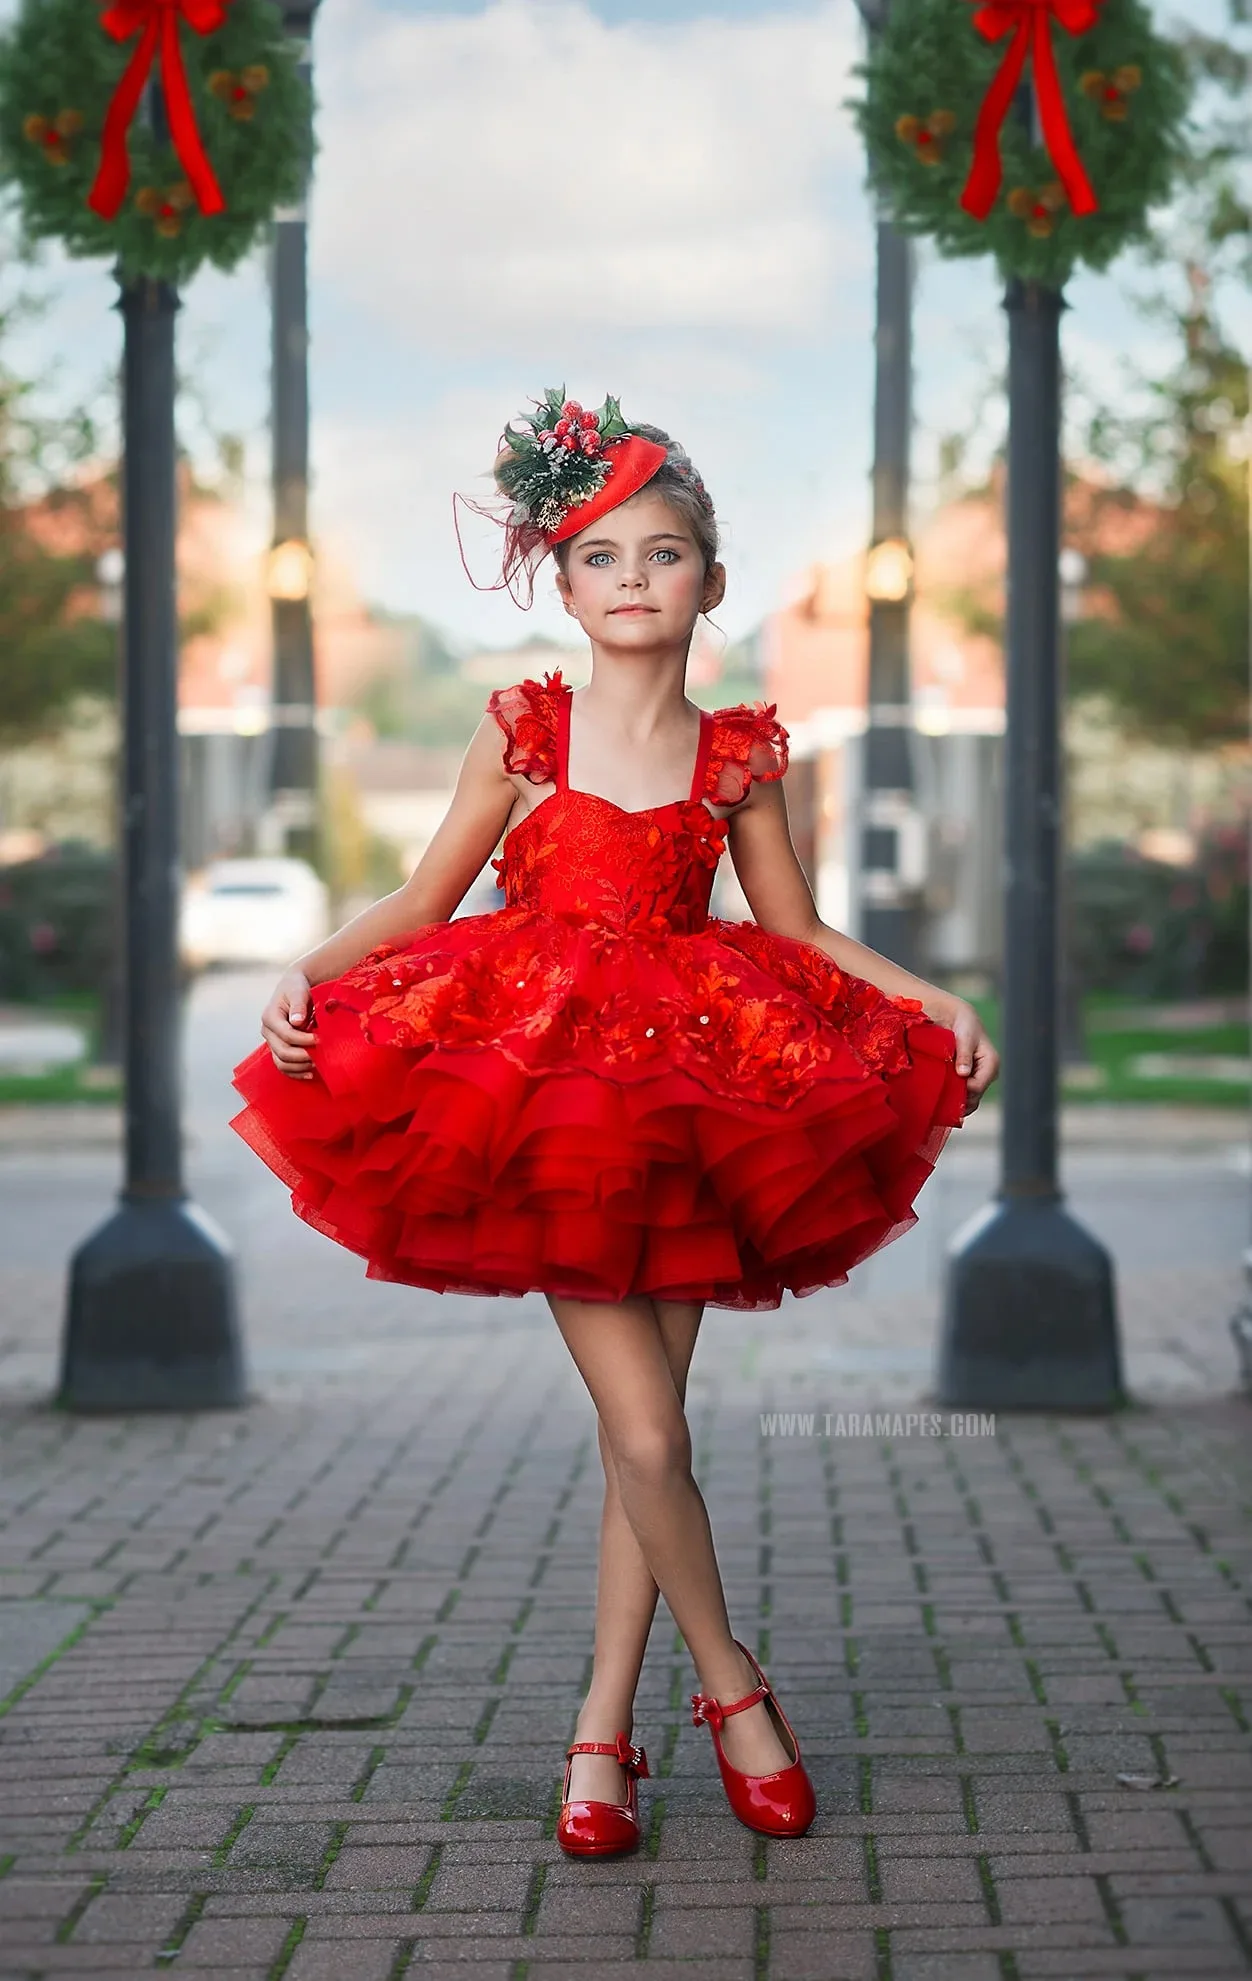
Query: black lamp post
x=294 y=759
x=1029 y=1320
x=152 y=1319
x=890 y=826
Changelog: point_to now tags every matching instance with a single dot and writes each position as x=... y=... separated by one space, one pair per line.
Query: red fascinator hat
x=560 y=469
x=628 y=465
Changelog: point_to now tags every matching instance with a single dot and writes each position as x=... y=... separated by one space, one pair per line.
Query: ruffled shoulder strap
x=747 y=743
x=527 y=713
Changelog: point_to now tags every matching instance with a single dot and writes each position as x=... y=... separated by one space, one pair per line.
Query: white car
x=252 y=911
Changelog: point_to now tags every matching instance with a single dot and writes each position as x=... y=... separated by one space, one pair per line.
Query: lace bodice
x=647 y=872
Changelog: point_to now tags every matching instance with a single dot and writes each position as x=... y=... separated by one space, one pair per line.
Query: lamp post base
x=152 y=1321
x=1029 y=1317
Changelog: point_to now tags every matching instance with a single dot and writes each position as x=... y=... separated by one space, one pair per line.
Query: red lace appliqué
x=875 y=1026
x=526 y=713
x=649 y=873
x=748 y=743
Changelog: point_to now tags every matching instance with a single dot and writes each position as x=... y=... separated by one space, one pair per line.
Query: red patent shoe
x=778 y=1805
x=602 y=1829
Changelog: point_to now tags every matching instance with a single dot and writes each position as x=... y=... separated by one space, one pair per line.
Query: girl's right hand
x=282 y=1025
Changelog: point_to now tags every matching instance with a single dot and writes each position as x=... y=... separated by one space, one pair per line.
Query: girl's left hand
x=977 y=1060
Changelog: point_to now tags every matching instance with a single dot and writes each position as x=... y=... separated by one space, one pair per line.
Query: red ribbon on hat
x=1030 y=24
x=159 y=21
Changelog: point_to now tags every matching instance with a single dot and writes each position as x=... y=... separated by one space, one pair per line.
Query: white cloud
x=528 y=170
x=529 y=196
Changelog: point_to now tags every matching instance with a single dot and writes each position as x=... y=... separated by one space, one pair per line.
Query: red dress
x=597 y=1090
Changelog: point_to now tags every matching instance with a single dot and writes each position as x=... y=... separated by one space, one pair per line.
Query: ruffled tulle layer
x=517 y=1102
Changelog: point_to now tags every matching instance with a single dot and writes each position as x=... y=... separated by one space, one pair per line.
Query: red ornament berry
x=591 y=443
x=571 y=409
x=588 y=420
x=568 y=442
x=562 y=428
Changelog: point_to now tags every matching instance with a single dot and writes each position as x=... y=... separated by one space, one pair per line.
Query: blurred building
x=224 y=676
x=398 y=703
x=816 y=661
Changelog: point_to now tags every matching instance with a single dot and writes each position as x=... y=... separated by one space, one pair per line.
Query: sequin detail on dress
x=598 y=1090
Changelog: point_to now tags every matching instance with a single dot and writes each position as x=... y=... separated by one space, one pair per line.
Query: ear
x=564 y=593
x=714 y=588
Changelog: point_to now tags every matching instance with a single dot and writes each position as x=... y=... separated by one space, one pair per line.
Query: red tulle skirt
x=514 y=1102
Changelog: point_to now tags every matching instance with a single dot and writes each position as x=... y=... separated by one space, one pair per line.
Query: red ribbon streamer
x=159 y=21
x=1030 y=24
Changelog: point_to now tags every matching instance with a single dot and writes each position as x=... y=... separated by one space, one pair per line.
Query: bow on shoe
x=1030 y=24
x=706 y=1711
x=159 y=22
x=631 y=1757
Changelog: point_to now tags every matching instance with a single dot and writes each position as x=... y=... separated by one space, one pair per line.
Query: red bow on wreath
x=159 y=21
x=1030 y=24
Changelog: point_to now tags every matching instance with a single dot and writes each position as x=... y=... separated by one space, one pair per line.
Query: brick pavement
x=284 y=1691
x=319 y=1659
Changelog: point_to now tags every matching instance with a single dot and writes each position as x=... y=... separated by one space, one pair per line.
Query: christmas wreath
x=194 y=184
x=953 y=159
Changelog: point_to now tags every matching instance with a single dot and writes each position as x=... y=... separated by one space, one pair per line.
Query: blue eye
x=599 y=556
x=670 y=555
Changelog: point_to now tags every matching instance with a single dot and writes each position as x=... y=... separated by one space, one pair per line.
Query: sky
x=662 y=199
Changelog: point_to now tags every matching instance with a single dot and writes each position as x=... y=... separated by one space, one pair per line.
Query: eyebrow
x=611 y=543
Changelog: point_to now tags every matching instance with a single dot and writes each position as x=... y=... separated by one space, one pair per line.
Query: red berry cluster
x=576 y=432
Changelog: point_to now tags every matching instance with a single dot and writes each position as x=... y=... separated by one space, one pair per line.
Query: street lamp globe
x=289 y=573
x=889 y=571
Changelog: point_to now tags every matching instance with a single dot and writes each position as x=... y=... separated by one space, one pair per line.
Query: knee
x=649 y=1456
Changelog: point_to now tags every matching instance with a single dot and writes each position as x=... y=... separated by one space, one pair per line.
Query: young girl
x=600 y=1094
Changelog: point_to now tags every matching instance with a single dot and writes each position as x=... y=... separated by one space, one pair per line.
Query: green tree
x=54 y=644
x=1167 y=643
x=1166 y=639
x=1216 y=194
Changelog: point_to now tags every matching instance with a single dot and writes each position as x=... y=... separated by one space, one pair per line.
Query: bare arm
x=782 y=901
x=468 y=831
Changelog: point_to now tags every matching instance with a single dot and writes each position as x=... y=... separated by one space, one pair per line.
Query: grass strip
x=178 y=1938
x=95 y=1885
x=287 y=1951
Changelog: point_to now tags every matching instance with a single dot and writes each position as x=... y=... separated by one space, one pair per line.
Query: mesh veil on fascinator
x=560 y=469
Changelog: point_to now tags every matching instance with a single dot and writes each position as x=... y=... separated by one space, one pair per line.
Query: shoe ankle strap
x=705 y=1710
x=621 y=1749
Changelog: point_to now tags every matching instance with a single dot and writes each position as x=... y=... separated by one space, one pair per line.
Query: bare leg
x=626 y=1593
x=620 y=1353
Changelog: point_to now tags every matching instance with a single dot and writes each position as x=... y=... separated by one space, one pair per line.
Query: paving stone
x=680 y=1933
x=1188 y=1921
x=946 y=1967
x=941 y=1879
x=237 y=1942
x=314 y=1962
x=823 y=1955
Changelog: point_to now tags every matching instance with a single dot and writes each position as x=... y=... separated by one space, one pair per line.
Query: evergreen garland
x=1125 y=93
x=58 y=72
